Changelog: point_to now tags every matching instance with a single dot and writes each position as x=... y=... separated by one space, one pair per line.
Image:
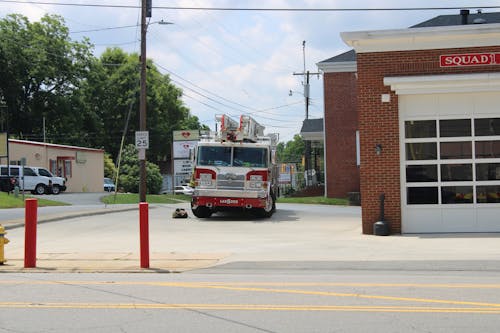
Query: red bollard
x=30 y=218
x=144 y=233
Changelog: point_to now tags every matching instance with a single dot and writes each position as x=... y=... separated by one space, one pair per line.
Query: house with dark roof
x=411 y=115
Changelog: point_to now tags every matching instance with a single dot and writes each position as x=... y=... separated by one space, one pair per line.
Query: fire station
x=416 y=114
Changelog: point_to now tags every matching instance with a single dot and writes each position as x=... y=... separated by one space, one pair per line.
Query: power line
x=252 y=8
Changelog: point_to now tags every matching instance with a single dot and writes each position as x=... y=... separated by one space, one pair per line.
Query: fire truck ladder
x=246 y=130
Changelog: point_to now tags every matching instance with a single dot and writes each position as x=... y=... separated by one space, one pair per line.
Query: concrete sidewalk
x=296 y=236
x=102 y=261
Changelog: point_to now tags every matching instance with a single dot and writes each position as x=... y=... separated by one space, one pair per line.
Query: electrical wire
x=254 y=9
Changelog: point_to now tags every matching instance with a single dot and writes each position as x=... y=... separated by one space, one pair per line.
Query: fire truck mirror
x=273 y=156
x=191 y=154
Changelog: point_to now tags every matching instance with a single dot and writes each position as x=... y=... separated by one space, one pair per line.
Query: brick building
x=425 y=102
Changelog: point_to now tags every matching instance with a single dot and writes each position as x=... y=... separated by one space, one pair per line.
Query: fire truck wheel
x=202 y=212
x=268 y=211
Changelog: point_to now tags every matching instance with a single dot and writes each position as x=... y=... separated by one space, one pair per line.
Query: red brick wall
x=341 y=123
x=379 y=123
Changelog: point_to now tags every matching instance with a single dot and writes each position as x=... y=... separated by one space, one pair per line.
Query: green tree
x=292 y=151
x=129 y=173
x=109 y=167
x=40 y=67
x=112 y=92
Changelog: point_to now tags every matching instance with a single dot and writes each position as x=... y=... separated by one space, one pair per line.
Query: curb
x=18 y=223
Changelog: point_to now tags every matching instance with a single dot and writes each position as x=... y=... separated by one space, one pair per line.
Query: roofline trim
x=53 y=145
x=453 y=83
x=423 y=38
x=338 y=67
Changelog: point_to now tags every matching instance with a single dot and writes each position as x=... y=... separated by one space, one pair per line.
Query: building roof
x=312 y=129
x=343 y=57
x=438 y=21
x=312 y=125
x=447 y=20
x=44 y=144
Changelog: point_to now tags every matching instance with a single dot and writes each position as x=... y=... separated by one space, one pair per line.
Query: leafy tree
x=109 y=167
x=292 y=151
x=112 y=92
x=129 y=173
x=40 y=67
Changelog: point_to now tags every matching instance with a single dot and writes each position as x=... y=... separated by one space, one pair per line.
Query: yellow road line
x=229 y=286
x=277 y=284
x=328 y=293
x=249 y=307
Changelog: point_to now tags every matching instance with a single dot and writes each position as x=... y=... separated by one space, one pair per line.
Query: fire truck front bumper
x=245 y=199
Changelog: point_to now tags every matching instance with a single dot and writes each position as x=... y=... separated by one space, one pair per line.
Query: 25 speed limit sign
x=142 y=140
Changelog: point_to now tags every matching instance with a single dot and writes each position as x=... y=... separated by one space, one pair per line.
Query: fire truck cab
x=235 y=168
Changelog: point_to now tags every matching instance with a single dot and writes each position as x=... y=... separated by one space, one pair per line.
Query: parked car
x=7 y=183
x=28 y=179
x=58 y=183
x=109 y=186
x=183 y=189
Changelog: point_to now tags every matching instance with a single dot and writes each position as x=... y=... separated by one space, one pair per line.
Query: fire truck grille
x=230 y=181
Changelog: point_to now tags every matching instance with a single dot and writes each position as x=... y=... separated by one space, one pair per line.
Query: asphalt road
x=306 y=269
x=342 y=301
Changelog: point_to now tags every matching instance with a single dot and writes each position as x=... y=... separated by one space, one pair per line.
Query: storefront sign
x=182 y=148
x=187 y=135
x=469 y=59
x=183 y=167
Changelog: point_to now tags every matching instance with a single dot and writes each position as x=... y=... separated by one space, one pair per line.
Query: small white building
x=82 y=167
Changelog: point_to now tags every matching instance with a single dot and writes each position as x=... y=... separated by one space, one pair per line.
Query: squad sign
x=469 y=59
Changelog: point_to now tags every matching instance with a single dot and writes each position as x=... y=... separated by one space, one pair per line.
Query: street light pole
x=142 y=105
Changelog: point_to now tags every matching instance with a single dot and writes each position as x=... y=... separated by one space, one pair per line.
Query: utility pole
x=145 y=12
x=307 y=153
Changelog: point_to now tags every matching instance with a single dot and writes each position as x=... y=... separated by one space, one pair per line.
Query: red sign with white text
x=469 y=59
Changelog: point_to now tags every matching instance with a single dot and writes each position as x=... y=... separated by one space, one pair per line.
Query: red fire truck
x=235 y=168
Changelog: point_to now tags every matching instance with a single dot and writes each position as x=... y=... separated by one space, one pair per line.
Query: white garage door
x=450 y=162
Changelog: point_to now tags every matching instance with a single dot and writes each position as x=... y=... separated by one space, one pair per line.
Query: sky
x=238 y=62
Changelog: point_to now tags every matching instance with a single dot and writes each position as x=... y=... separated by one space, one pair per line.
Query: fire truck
x=235 y=168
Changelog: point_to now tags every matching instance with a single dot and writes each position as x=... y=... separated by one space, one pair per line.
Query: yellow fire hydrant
x=3 y=241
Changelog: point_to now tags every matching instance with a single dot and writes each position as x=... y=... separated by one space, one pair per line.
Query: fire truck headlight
x=255 y=181
x=205 y=179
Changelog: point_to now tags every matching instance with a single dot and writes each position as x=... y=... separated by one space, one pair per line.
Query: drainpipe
x=464 y=13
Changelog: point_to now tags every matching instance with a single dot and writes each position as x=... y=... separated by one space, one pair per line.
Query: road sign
x=142 y=140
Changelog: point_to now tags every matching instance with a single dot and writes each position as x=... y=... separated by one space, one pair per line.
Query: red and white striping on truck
x=235 y=168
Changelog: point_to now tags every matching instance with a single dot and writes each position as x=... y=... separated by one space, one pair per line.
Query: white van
x=28 y=179
x=58 y=183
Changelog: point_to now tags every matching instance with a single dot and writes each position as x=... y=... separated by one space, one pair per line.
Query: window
x=456 y=150
x=445 y=154
x=488 y=171
x=237 y=156
x=421 y=173
x=456 y=172
x=421 y=151
x=422 y=195
x=487 y=126
x=250 y=157
x=420 y=129
x=219 y=156
x=45 y=173
x=456 y=194
x=487 y=149
x=29 y=172
x=454 y=128
x=488 y=194
x=67 y=168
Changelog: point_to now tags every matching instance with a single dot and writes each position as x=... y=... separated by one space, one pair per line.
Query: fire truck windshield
x=241 y=156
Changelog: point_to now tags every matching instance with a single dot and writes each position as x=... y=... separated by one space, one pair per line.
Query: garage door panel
x=460 y=161
x=422 y=220
x=459 y=219
x=455 y=105
x=488 y=219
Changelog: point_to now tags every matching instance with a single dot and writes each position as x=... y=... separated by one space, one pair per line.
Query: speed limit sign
x=142 y=140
